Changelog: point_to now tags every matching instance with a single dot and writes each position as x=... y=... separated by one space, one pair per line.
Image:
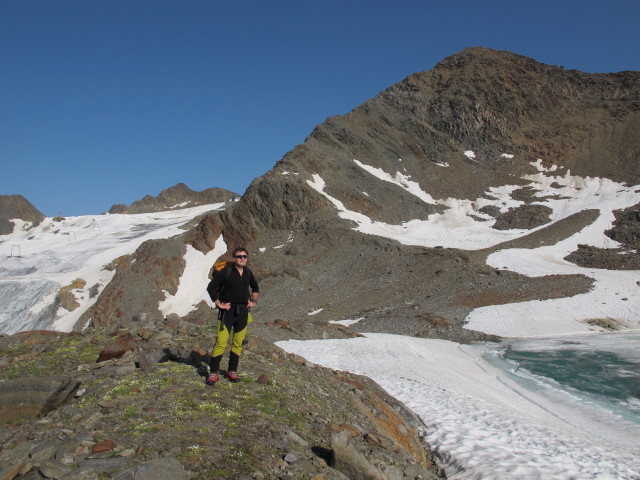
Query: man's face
x=240 y=258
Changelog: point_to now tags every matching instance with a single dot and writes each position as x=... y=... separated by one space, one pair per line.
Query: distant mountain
x=391 y=212
x=13 y=207
x=480 y=100
x=178 y=196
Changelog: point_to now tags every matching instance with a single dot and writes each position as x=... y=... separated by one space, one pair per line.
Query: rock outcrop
x=16 y=207
x=30 y=397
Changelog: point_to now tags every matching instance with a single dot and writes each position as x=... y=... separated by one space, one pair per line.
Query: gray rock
x=81 y=475
x=5 y=435
x=290 y=458
x=348 y=460
x=152 y=358
x=16 y=455
x=166 y=468
x=91 y=421
x=188 y=328
x=68 y=447
x=104 y=465
x=128 y=475
x=418 y=471
x=294 y=437
x=333 y=474
x=43 y=452
x=394 y=472
x=53 y=469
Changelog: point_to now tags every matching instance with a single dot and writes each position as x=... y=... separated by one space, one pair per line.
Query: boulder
x=29 y=397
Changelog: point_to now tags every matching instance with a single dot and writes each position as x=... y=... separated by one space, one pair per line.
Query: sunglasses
x=241 y=256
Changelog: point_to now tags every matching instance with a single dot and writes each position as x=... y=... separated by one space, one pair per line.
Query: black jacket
x=229 y=287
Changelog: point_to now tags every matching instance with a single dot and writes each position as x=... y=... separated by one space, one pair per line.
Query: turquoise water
x=602 y=370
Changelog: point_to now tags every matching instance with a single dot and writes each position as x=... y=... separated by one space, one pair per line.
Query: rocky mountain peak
x=16 y=207
x=178 y=196
x=509 y=110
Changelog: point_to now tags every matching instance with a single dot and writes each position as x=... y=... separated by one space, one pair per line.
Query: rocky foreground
x=131 y=403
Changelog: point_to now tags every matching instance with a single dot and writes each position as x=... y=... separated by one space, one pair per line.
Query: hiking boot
x=233 y=377
x=213 y=378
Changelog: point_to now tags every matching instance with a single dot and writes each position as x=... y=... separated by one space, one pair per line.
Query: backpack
x=217 y=267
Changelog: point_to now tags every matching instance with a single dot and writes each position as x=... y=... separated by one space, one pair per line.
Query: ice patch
x=346 y=322
x=399 y=179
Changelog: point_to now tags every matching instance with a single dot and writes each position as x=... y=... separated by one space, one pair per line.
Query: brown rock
x=350 y=429
x=434 y=320
x=103 y=446
x=392 y=426
x=123 y=343
x=9 y=472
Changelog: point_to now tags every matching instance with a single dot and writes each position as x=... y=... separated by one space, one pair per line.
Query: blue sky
x=105 y=101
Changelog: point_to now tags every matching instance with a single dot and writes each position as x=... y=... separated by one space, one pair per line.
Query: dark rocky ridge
x=487 y=101
x=178 y=196
x=16 y=207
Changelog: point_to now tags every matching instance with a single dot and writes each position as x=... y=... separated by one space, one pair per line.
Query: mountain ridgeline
x=178 y=196
x=507 y=109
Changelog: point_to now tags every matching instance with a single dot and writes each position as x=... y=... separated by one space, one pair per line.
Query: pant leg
x=234 y=359
x=222 y=338
x=238 y=338
x=239 y=332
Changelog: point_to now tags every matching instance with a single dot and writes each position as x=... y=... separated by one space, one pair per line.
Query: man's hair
x=238 y=250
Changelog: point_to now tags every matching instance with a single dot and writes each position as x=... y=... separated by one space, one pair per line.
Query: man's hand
x=251 y=304
x=223 y=306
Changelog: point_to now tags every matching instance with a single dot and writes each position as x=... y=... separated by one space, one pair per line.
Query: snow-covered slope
x=35 y=263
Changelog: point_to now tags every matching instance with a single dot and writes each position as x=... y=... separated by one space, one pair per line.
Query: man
x=229 y=290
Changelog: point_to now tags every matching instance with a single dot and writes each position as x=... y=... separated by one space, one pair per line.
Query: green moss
x=70 y=355
x=130 y=411
x=26 y=368
x=175 y=367
x=140 y=428
x=210 y=407
x=289 y=417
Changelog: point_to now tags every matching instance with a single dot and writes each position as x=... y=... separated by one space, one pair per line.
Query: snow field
x=480 y=422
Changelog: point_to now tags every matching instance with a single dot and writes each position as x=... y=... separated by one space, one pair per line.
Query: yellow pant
x=230 y=321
